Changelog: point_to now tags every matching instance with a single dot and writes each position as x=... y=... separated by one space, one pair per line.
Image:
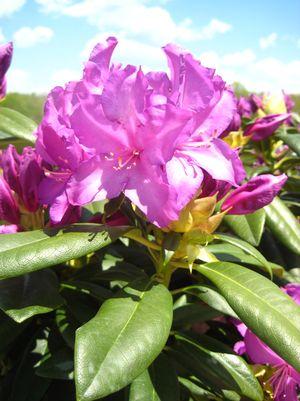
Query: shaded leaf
x=158 y=383
x=249 y=227
x=217 y=365
x=32 y=294
x=128 y=332
x=248 y=249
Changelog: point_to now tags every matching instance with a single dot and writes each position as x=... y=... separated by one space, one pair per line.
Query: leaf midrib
x=119 y=335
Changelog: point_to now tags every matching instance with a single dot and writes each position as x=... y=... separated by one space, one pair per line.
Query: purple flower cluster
x=150 y=136
x=258 y=128
x=154 y=137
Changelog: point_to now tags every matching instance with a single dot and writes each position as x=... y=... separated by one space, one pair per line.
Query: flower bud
x=255 y=194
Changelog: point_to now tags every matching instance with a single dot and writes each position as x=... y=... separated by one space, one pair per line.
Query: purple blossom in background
x=285 y=380
x=9 y=229
x=264 y=127
x=6 y=52
x=23 y=173
x=255 y=194
x=9 y=210
x=247 y=106
x=289 y=102
x=150 y=136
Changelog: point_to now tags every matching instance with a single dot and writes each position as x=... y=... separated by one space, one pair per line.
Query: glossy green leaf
x=211 y=297
x=248 y=249
x=198 y=392
x=122 y=340
x=231 y=253
x=283 y=224
x=261 y=305
x=249 y=227
x=32 y=294
x=34 y=250
x=17 y=125
x=217 y=365
x=292 y=140
x=158 y=383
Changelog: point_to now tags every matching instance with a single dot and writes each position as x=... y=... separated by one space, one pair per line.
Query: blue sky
x=256 y=43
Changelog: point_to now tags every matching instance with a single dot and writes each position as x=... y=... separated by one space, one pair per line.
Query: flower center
x=126 y=159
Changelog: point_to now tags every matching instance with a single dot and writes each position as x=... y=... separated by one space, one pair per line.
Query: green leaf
x=67 y=325
x=34 y=250
x=283 y=225
x=231 y=253
x=17 y=125
x=216 y=365
x=193 y=313
x=272 y=315
x=122 y=340
x=198 y=393
x=248 y=249
x=292 y=140
x=29 y=295
x=249 y=227
x=211 y=297
x=158 y=383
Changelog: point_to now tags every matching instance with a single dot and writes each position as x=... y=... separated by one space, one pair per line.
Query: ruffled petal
x=156 y=199
x=184 y=177
x=217 y=159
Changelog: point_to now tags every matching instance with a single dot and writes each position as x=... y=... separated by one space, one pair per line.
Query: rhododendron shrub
x=143 y=216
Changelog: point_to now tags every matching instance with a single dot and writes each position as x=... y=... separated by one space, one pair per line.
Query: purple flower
x=23 y=173
x=9 y=229
x=289 y=102
x=9 y=210
x=6 y=52
x=150 y=136
x=247 y=106
x=285 y=380
x=263 y=127
x=255 y=194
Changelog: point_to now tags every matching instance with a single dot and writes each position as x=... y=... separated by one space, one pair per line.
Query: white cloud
x=61 y=77
x=48 y=6
x=137 y=18
x=268 y=41
x=2 y=37
x=18 y=81
x=261 y=75
x=27 y=37
x=214 y=27
x=8 y=7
